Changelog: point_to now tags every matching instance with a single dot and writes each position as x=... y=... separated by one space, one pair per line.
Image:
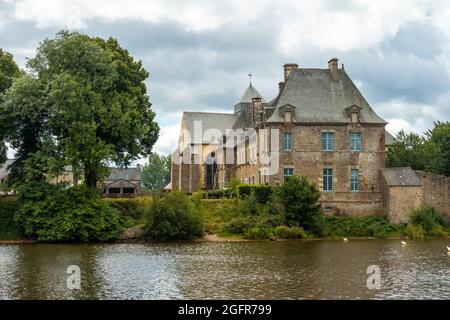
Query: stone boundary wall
x=436 y=192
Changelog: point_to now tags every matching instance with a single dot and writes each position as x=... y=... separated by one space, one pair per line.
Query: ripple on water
x=233 y=270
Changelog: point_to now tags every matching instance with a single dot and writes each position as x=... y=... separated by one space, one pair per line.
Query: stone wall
x=307 y=159
x=400 y=201
x=436 y=192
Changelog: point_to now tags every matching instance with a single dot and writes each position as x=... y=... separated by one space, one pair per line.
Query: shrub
x=128 y=207
x=438 y=231
x=9 y=230
x=285 y=232
x=215 y=194
x=370 y=226
x=239 y=225
x=258 y=233
x=263 y=193
x=415 y=231
x=428 y=218
x=174 y=217
x=68 y=214
x=300 y=201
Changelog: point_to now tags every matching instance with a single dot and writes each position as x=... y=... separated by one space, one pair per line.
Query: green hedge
x=263 y=193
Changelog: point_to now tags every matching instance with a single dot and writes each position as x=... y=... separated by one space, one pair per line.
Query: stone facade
x=436 y=192
x=311 y=104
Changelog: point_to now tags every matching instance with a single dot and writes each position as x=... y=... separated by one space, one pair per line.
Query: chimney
x=333 y=66
x=256 y=102
x=280 y=86
x=288 y=69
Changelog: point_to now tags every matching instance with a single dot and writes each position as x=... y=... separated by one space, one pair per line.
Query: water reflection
x=238 y=270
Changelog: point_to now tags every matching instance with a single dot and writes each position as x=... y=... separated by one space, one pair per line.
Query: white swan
x=448 y=249
x=403 y=243
x=344 y=239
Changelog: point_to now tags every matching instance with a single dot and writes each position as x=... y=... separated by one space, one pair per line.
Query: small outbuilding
x=402 y=193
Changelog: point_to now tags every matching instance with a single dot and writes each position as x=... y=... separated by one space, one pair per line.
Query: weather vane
x=250 y=75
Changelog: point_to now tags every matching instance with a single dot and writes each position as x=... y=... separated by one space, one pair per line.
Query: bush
x=300 y=202
x=415 y=232
x=258 y=233
x=55 y=213
x=128 y=207
x=285 y=232
x=9 y=230
x=370 y=226
x=174 y=217
x=239 y=225
x=263 y=193
x=215 y=194
x=428 y=218
x=439 y=231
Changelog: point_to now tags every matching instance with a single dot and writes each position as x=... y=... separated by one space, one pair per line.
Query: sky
x=199 y=53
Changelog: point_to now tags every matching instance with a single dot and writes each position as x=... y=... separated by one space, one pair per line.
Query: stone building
x=319 y=126
x=122 y=182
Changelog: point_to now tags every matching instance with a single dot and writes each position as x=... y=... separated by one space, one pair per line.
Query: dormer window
x=287 y=113
x=287 y=116
x=354 y=113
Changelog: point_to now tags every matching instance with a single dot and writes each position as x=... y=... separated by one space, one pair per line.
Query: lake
x=228 y=270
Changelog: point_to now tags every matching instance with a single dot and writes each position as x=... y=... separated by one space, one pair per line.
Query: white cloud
x=168 y=139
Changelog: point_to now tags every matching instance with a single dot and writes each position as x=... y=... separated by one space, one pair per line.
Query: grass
x=8 y=228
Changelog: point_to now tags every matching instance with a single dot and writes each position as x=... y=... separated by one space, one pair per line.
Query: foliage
x=428 y=219
x=414 y=232
x=9 y=230
x=57 y=213
x=440 y=136
x=352 y=226
x=96 y=96
x=215 y=194
x=430 y=152
x=299 y=200
x=263 y=193
x=174 y=217
x=156 y=173
x=258 y=233
x=285 y=232
x=128 y=207
x=23 y=119
x=8 y=70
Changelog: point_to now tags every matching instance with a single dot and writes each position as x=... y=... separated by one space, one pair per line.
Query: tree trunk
x=90 y=178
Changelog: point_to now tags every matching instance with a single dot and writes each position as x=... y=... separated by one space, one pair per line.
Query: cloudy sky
x=199 y=53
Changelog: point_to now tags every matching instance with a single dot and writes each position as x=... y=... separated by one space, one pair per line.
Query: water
x=229 y=270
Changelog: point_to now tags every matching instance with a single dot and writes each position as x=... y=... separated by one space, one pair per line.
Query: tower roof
x=249 y=94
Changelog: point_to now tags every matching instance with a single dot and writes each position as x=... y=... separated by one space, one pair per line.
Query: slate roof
x=388 y=138
x=128 y=174
x=320 y=99
x=402 y=176
x=249 y=94
x=211 y=122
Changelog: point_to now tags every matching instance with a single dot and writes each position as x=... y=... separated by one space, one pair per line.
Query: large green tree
x=156 y=173
x=97 y=98
x=440 y=136
x=417 y=152
x=23 y=122
x=8 y=72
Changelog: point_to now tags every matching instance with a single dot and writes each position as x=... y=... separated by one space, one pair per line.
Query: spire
x=249 y=94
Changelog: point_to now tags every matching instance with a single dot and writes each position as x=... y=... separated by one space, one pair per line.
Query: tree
x=440 y=136
x=420 y=152
x=156 y=173
x=8 y=72
x=299 y=200
x=97 y=97
x=23 y=122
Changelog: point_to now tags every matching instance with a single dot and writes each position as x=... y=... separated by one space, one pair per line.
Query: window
x=354 y=180
x=327 y=179
x=288 y=172
x=327 y=141
x=287 y=141
x=355 y=141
